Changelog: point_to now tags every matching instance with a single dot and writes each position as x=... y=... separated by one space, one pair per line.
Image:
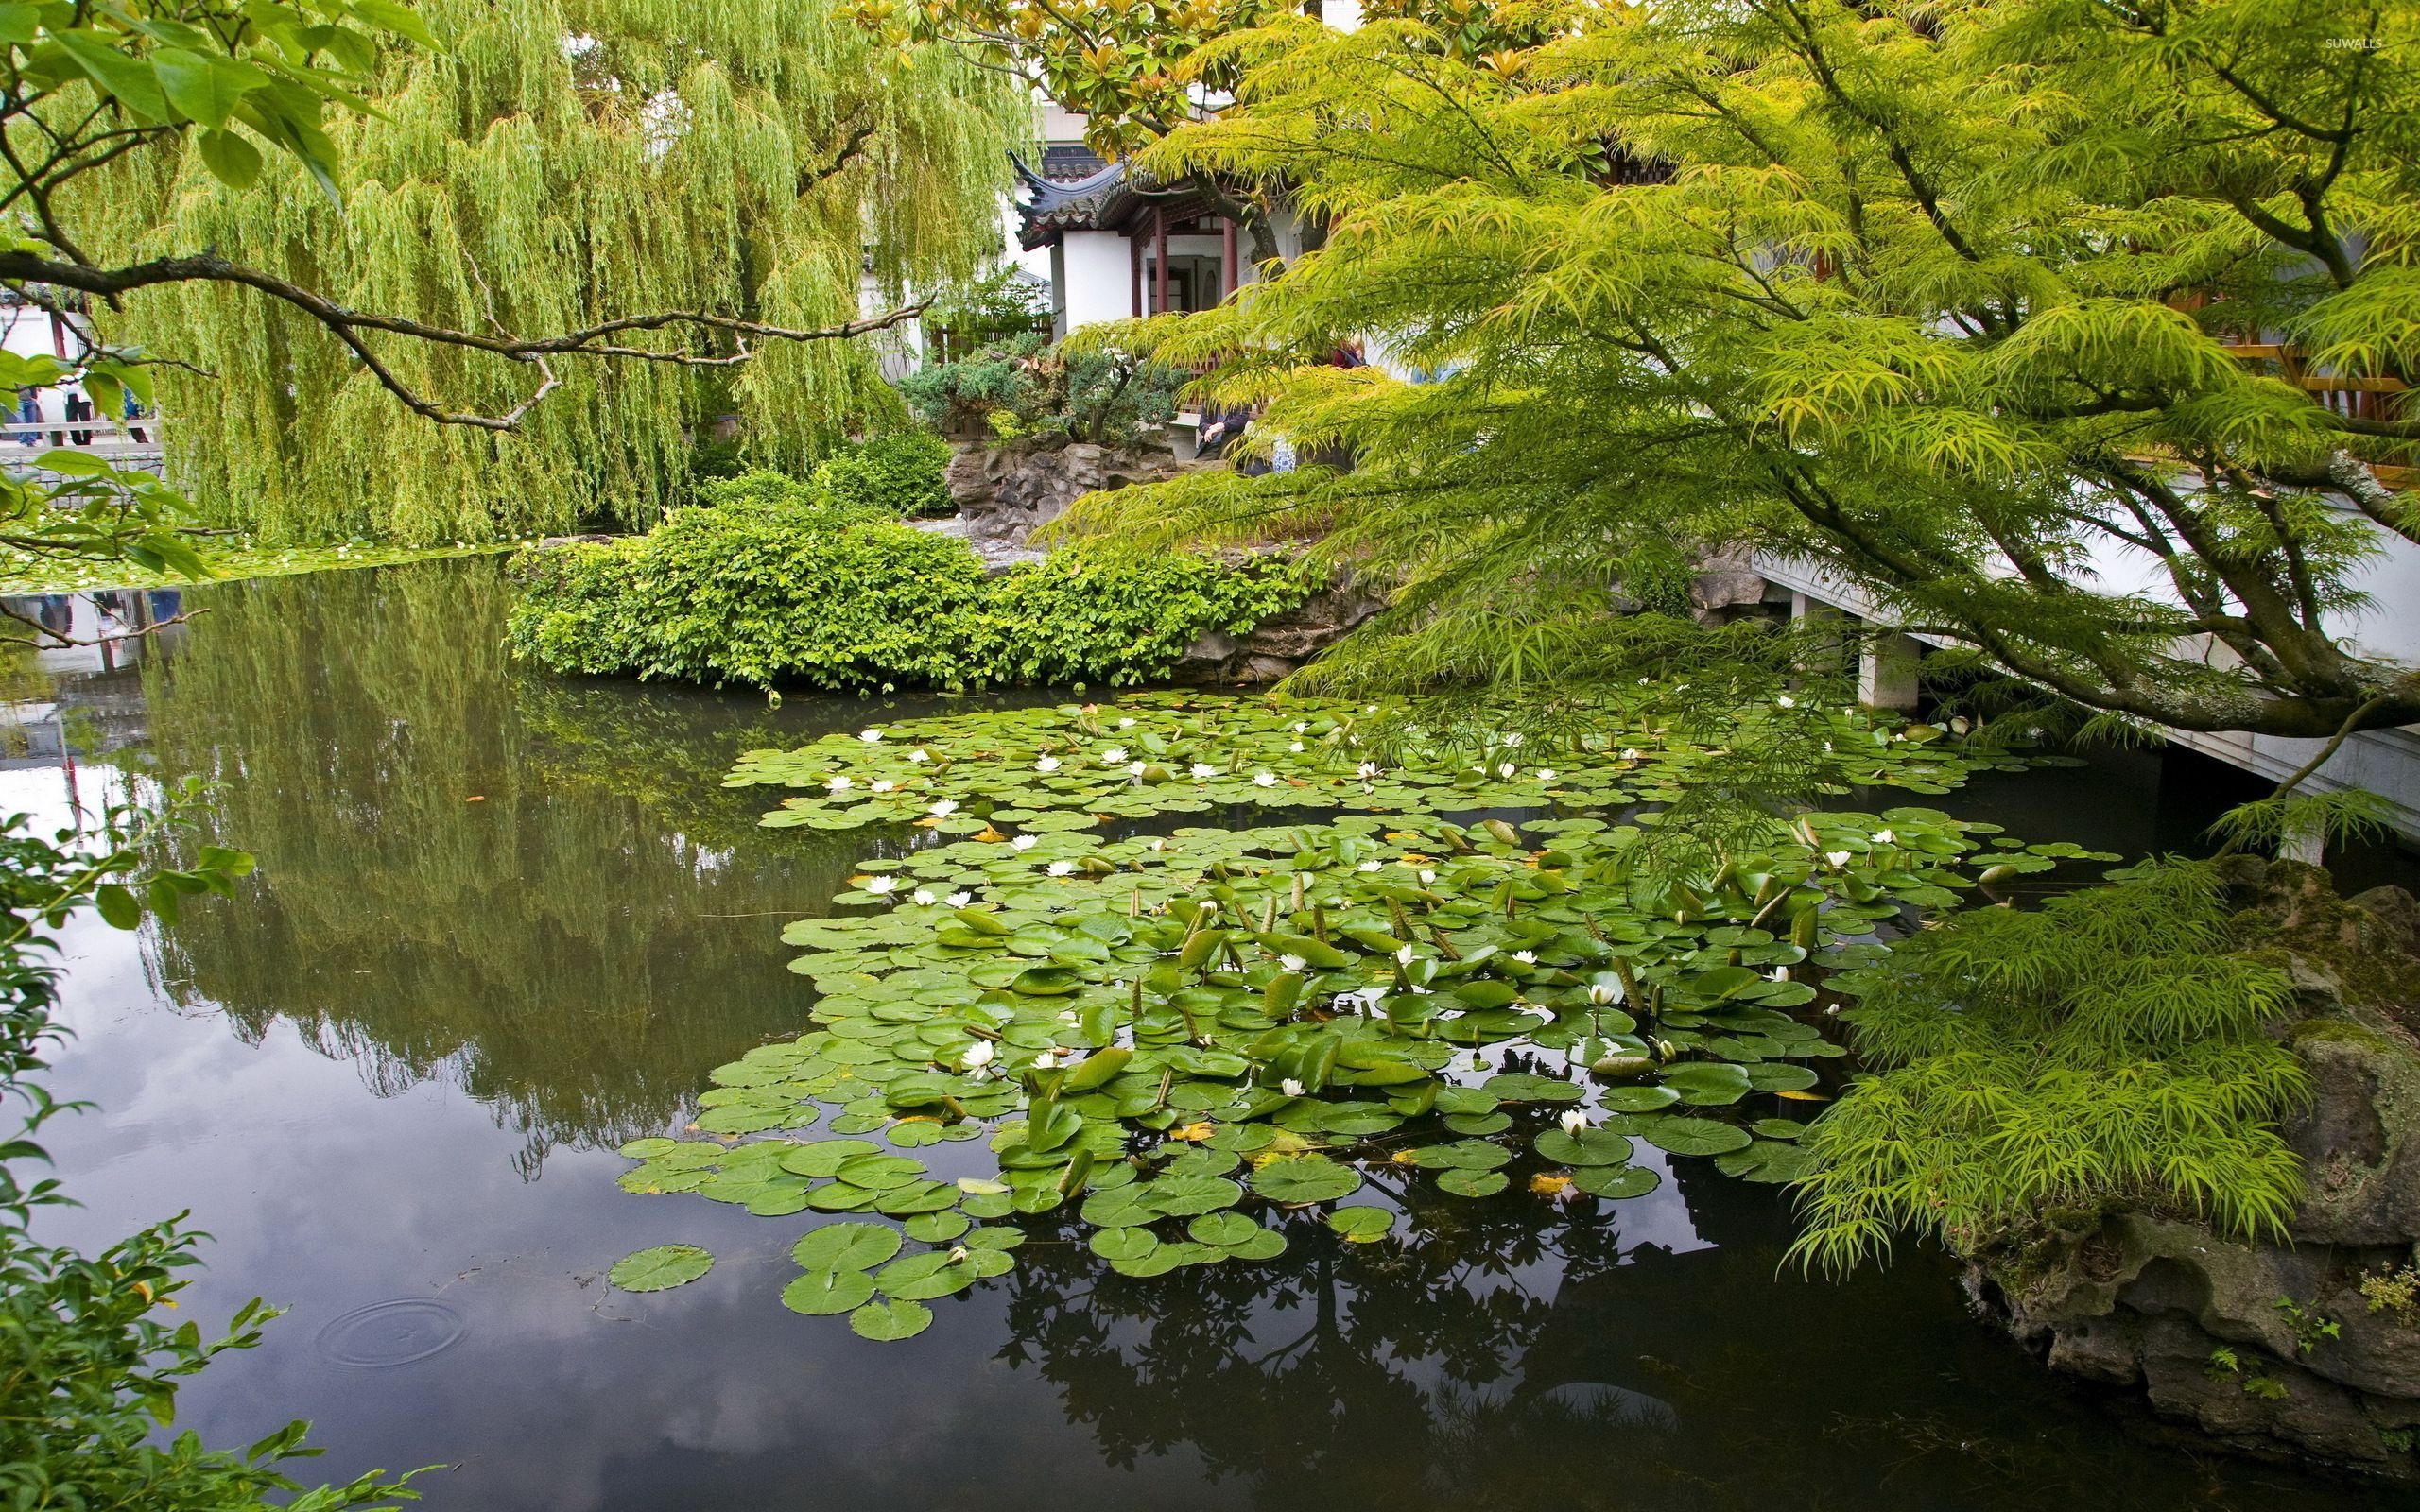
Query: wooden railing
x=2369 y=398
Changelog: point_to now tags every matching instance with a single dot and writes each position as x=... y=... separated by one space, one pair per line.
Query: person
x=133 y=412
x=1220 y=427
x=28 y=413
x=78 y=408
x=1348 y=355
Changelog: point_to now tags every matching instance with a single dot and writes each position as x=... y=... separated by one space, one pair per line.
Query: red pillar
x=1160 y=274
x=1227 y=253
x=1134 y=270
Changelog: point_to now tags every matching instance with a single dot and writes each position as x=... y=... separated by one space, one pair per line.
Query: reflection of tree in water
x=1338 y=1365
x=1510 y=1355
x=558 y=947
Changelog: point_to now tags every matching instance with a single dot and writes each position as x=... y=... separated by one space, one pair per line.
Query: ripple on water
x=391 y=1332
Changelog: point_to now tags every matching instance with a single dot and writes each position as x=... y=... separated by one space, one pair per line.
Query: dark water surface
x=390 y=1080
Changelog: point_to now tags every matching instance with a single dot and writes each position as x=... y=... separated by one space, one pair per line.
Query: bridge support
x=1886 y=674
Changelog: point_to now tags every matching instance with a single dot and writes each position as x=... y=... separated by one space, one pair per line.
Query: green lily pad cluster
x=1073 y=766
x=1168 y=1036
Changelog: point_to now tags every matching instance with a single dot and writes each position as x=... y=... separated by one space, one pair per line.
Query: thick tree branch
x=349 y=325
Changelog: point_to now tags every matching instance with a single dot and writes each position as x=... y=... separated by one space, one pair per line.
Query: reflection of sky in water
x=1656 y=1359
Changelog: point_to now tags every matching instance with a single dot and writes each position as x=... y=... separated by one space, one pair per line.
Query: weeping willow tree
x=550 y=165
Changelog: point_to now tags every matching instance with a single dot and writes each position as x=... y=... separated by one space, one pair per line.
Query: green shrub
x=1022 y=387
x=810 y=594
x=2109 y=1048
x=903 y=475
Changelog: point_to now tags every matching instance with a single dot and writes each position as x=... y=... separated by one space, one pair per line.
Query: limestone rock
x=1280 y=644
x=1004 y=493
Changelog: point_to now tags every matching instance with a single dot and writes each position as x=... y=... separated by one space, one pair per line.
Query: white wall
x=1095 y=278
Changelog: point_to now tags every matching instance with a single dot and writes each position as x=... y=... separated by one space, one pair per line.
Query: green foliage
x=2106 y=1047
x=1023 y=387
x=2311 y=1327
x=796 y=592
x=904 y=476
x=2393 y=1290
x=791 y=588
x=1935 y=297
x=736 y=161
x=89 y=1364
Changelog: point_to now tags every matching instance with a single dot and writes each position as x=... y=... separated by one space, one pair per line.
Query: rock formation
x=1007 y=493
x=2272 y=1349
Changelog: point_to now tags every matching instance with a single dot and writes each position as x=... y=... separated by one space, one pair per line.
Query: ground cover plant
x=797 y=589
x=1368 y=971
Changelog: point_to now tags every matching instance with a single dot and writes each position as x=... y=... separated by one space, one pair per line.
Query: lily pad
x=660 y=1267
x=1305 y=1178
x=845 y=1246
x=822 y=1293
x=886 y=1321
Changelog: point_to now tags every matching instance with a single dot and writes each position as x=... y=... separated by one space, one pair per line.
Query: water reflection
x=457 y=881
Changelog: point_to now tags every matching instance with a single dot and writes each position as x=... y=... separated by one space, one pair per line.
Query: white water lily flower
x=1512 y=741
x=958 y=900
x=1127 y=723
x=1060 y=868
x=1630 y=753
x=836 y=785
x=1605 y=994
x=1781 y=973
x=1115 y=756
x=1838 y=858
x=1301 y=724
x=1264 y=779
x=1157 y=843
x=943 y=807
x=1025 y=842
x=1545 y=774
x=1369 y=707
x=883 y=784
x=1046 y=1061
x=977 y=1056
x=878 y=886
x=1297 y=745
x=1137 y=768
x=1786 y=701
x=1368 y=770
x=1204 y=769
x=870 y=736
x=1573 y=1122
x=1885 y=837
x=1290 y=1086
x=1403 y=955
x=1367 y=865
x=920 y=755
x=1426 y=876
x=1069 y=1017
x=1526 y=958
x=1293 y=963
x=1959 y=726
x=1047 y=764
x=1506 y=769
x=922 y=895
x=958 y=1254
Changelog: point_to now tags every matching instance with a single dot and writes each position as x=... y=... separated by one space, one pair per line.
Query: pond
x=505 y=924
